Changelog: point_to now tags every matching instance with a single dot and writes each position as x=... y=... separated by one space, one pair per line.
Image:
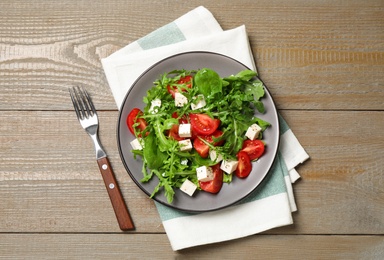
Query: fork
x=87 y=116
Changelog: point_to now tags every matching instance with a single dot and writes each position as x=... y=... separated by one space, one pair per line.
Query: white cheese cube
x=253 y=131
x=136 y=145
x=200 y=102
x=204 y=173
x=185 y=145
x=188 y=187
x=180 y=100
x=229 y=166
x=155 y=104
x=185 y=130
x=216 y=157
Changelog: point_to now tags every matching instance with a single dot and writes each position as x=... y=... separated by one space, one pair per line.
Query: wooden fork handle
x=118 y=203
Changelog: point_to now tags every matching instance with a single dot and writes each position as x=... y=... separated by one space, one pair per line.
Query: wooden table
x=322 y=60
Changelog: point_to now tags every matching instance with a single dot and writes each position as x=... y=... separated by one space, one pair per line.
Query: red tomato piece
x=182 y=120
x=172 y=90
x=174 y=133
x=133 y=118
x=254 y=148
x=245 y=166
x=187 y=80
x=216 y=134
x=213 y=186
x=203 y=124
x=194 y=134
x=202 y=148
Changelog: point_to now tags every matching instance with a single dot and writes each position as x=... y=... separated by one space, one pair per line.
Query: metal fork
x=87 y=116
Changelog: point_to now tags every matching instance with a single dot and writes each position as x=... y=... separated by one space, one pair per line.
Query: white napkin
x=271 y=204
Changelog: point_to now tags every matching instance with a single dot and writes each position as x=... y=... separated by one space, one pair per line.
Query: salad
x=198 y=130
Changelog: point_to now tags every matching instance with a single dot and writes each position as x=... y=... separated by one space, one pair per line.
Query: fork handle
x=118 y=203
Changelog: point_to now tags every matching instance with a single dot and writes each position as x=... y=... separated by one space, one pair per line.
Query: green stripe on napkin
x=156 y=38
x=283 y=125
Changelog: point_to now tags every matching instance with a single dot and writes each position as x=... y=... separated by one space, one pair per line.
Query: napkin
x=272 y=203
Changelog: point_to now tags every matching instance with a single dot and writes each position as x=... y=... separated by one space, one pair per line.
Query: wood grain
x=156 y=246
x=322 y=60
x=316 y=55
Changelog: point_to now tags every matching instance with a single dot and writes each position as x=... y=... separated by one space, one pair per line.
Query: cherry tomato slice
x=215 y=134
x=134 y=117
x=202 y=148
x=254 y=148
x=203 y=124
x=172 y=90
x=174 y=133
x=245 y=166
x=182 y=120
x=187 y=80
x=213 y=186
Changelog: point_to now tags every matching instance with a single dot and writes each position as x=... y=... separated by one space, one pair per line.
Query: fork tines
x=82 y=102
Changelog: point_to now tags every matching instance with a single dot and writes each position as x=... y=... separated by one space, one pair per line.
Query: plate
x=201 y=201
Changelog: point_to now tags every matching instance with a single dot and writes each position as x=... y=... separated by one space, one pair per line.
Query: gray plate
x=201 y=201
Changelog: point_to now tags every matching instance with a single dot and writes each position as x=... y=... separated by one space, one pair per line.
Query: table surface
x=323 y=62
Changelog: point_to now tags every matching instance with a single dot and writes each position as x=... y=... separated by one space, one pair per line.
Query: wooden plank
x=343 y=180
x=156 y=246
x=312 y=55
x=49 y=180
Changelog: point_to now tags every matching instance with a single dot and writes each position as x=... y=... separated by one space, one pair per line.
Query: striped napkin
x=271 y=204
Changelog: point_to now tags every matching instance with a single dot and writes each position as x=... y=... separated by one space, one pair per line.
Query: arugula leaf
x=169 y=192
x=259 y=106
x=162 y=142
x=246 y=75
x=262 y=123
x=256 y=89
x=152 y=154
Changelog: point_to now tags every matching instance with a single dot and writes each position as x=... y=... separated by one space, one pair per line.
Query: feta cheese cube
x=185 y=130
x=216 y=157
x=204 y=173
x=200 y=102
x=180 y=100
x=185 y=145
x=136 y=145
x=253 y=131
x=229 y=166
x=155 y=104
x=188 y=187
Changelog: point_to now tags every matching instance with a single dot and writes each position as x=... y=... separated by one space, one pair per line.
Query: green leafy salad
x=198 y=130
